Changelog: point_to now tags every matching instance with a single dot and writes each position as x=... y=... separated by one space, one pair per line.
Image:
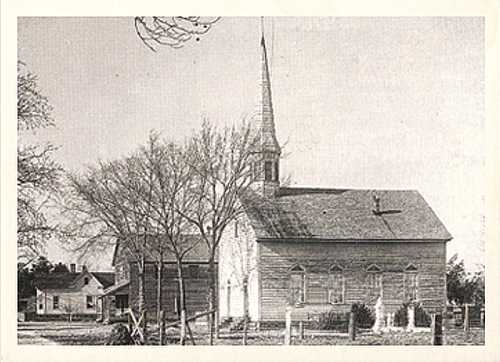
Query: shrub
x=422 y=318
x=119 y=335
x=332 y=320
x=364 y=316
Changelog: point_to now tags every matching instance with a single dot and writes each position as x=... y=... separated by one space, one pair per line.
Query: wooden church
x=320 y=249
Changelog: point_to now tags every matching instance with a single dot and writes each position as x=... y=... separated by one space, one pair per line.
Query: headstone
x=411 y=318
x=379 y=316
x=301 y=330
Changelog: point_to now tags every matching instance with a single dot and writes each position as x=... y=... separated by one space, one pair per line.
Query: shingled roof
x=343 y=214
x=105 y=278
x=65 y=280
x=62 y=280
x=198 y=254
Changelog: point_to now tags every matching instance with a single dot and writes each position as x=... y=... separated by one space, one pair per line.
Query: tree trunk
x=182 y=301
x=245 y=311
x=142 y=296
x=211 y=298
x=159 y=290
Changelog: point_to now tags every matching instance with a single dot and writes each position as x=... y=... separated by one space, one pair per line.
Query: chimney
x=376 y=200
x=72 y=268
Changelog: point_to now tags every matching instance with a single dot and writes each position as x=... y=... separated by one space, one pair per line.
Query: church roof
x=343 y=214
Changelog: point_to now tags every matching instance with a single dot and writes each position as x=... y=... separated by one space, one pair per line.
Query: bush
x=332 y=320
x=119 y=335
x=364 y=316
x=422 y=318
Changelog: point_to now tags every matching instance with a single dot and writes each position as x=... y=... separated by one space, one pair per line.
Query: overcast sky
x=376 y=103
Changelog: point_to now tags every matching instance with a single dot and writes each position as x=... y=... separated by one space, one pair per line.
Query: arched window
x=297 y=284
x=410 y=282
x=268 y=170
x=336 y=286
x=374 y=279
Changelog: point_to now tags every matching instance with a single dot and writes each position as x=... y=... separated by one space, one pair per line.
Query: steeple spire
x=267 y=128
x=269 y=151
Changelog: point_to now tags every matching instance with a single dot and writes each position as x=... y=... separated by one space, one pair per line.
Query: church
x=321 y=249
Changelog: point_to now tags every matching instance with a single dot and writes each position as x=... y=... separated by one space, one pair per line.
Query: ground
x=90 y=333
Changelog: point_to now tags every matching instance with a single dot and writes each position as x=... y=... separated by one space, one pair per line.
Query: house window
x=268 y=170
x=86 y=281
x=336 y=285
x=410 y=283
x=55 y=302
x=297 y=285
x=40 y=306
x=194 y=271
x=90 y=302
x=374 y=280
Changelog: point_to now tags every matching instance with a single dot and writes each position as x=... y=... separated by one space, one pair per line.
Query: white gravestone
x=379 y=316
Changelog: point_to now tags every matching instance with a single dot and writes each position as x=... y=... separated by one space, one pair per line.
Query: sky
x=377 y=103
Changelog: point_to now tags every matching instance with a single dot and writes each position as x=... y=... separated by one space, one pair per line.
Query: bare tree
x=171 y=197
x=220 y=161
x=108 y=200
x=172 y=31
x=37 y=173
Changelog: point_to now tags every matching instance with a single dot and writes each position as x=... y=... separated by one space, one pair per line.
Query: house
x=321 y=249
x=124 y=293
x=72 y=293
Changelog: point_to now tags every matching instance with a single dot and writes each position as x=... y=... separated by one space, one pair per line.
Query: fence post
x=145 y=328
x=437 y=329
x=482 y=317
x=352 y=326
x=466 y=320
x=183 y=327
x=162 y=327
x=288 y=326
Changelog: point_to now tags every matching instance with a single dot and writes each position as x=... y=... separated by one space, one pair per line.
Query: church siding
x=276 y=258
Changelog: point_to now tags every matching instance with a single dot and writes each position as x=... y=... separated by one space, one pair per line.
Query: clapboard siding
x=277 y=257
x=196 y=288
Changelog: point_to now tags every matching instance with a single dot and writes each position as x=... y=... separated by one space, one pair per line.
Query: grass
x=96 y=334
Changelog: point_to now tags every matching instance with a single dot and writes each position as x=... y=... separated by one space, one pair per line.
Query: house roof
x=199 y=253
x=343 y=214
x=62 y=280
x=105 y=278
x=66 y=280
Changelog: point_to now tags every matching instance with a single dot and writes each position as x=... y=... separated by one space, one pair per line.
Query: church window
x=276 y=171
x=297 y=284
x=55 y=302
x=410 y=283
x=336 y=285
x=374 y=279
x=268 y=170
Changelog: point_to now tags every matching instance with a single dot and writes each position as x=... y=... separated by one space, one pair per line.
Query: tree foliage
x=461 y=286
